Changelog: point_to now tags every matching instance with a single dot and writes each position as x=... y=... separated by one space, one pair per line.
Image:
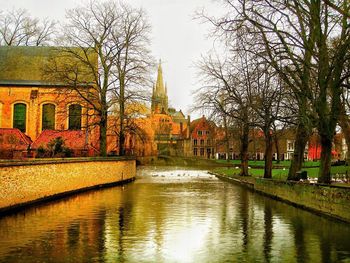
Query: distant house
x=202 y=138
x=339 y=148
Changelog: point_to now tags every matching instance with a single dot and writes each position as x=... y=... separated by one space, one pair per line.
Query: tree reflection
x=244 y=215
x=268 y=234
x=325 y=246
x=299 y=240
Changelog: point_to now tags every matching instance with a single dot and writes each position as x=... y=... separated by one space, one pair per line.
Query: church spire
x=160 y=90
x=159 y=96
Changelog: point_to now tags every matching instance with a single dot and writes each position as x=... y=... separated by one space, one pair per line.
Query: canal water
x=171 y=215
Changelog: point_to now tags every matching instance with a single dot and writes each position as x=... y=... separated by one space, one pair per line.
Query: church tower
x=159 y=95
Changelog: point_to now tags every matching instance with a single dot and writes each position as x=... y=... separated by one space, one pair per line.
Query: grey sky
x=176 y=38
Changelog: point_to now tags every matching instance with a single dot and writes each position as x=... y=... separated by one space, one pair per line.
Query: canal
x=171 y=215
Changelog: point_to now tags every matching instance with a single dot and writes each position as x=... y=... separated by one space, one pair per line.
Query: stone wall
x=28 y=182
x=330 y=200
x=333 y=201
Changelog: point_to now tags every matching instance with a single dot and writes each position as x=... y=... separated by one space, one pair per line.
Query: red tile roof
x=12 y=138
x=72 y=139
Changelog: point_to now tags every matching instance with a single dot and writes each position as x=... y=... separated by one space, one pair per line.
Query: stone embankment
x=179 y=161
x=23 y=183
x=332 y=201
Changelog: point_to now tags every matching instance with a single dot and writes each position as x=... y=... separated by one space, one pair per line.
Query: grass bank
x=281 y=164
x=282 y=173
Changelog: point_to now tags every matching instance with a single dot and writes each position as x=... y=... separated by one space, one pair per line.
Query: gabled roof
x=176 y=114
x=201 y=120
x=74 y=139
x=25 y=66
x=12 y=138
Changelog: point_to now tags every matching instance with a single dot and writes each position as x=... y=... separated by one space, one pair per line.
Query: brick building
x=32 y=103
x=158 y=130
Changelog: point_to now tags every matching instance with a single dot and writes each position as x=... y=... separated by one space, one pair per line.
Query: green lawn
x=261 y=163
x=281 y=174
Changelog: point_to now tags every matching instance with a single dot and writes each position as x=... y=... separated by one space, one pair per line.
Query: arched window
x=20 y=116
x=48 y=117
x=74 y=122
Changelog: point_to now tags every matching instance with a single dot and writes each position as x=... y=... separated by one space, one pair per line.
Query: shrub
x=55 y=148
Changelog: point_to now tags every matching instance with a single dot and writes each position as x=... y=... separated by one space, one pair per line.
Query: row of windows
x=201 y=152
x=200 y=133
x=48 y=116
x=195 y=142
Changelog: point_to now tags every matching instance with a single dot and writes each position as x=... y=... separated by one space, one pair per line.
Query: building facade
x=31 y=103
x=158 y=130
x=202 y=138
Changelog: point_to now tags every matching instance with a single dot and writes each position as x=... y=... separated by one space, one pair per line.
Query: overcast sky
x=177 y=39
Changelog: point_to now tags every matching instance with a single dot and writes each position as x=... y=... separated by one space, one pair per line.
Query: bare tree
x=110 y=40
x=265 y=94
x=18 y=28
x=225 y=95
x=296 y=36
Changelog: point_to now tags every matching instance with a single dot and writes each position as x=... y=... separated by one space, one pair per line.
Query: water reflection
x=171 y=216
x=268 y=233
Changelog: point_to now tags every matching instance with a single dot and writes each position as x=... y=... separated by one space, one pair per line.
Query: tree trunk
x=324 y=174
x=301 y=140
x=277 y=147
x=103 y=135
x=268 y=155
x=121 y=119
x=244 y=149
x=344 y=123
x=227 y=142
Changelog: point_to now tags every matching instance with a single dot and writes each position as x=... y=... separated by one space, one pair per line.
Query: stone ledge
x=8 y=163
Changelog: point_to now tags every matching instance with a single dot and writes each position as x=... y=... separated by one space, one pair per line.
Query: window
x=195 y=153
x=208 y=142
x=202 y=142
x=20 y=116
x=74 y=117
x=199 y=133
x=207 y=132
x=48 y=117
x=208 y=153
x=290 y=146
x=195 y=142
x=202 y=151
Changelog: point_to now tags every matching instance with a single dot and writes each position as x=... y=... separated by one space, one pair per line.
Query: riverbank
x=179 y=161
x=332 y=201
x=28 y=182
